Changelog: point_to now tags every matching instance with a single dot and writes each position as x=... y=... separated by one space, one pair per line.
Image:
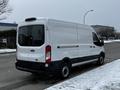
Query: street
x=10 y=78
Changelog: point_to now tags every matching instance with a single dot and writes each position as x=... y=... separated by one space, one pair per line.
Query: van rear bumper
x=37 y=66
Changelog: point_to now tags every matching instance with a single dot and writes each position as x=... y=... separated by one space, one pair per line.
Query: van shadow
x=51 y=80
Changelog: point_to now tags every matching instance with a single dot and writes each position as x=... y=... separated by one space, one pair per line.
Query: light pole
x=86 y=15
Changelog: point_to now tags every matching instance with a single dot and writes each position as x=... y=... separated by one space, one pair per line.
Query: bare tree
x=4 y=8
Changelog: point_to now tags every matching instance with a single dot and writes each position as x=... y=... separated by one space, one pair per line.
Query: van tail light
x=48 y=54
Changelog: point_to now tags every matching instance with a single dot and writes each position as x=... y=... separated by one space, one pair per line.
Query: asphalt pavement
x=13 y=79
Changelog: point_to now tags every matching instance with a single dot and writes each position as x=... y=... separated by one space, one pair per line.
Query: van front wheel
x=65 y=71
x=100 y=60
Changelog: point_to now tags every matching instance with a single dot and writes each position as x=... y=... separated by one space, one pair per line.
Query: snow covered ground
x=106 y=77
x=7 y=50
x=110 y=41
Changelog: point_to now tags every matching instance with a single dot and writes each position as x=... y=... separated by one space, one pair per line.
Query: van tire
x=34 y=74
x=65 y=71
x=101 y=60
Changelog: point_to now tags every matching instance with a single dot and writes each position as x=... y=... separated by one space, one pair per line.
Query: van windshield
x=32 y=35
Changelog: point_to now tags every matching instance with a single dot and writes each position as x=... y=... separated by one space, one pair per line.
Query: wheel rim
x=65 y=71
x=101 y=60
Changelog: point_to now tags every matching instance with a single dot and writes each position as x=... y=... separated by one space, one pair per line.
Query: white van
x=55 y=46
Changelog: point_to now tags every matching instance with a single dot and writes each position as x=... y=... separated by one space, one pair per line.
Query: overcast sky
x=106 y=12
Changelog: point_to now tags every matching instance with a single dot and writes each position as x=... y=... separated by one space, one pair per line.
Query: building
x=8 y=35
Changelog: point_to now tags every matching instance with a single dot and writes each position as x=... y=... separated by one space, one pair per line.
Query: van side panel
x=63 y=40
x=85 y=41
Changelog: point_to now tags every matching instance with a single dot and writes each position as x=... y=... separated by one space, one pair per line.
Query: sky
x=106 y=12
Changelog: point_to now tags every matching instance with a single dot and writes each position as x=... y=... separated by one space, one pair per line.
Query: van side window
x=96 y=40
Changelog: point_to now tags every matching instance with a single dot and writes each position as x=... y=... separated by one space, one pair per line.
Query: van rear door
x=30 y=42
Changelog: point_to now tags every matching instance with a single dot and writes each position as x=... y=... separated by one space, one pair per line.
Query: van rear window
x=31 y=35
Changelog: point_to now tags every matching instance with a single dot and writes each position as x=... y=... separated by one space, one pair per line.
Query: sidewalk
x=4 y=51
x=106 y=77
x=110 y=41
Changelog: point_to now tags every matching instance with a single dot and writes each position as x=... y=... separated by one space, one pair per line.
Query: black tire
x=65 y=71
x=101 y=60
x=34 y=73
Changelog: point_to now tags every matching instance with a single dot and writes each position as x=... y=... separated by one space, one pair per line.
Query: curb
x=7 y=52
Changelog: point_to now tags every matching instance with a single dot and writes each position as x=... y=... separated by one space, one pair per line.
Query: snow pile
x=7 y=50
x=106 y=77
x=109 y=41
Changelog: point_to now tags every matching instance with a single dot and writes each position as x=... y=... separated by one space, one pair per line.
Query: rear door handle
x=32 y=50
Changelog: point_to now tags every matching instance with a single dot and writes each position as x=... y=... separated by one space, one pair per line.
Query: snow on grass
x=110 y=41
x=106 y=77
x=7 y=50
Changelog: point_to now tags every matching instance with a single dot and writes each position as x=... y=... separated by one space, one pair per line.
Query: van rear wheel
x=100 y=60
x=65 y=71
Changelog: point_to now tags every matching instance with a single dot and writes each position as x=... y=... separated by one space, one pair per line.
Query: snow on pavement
x=106 y=77
x=110 y=41
x=7 y=50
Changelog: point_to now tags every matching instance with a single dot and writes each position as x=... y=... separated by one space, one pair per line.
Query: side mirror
x=102 y=41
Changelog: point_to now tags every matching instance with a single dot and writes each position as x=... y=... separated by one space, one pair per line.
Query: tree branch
x=4 y=7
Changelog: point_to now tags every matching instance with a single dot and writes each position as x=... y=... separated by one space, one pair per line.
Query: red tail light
x=48 y=54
